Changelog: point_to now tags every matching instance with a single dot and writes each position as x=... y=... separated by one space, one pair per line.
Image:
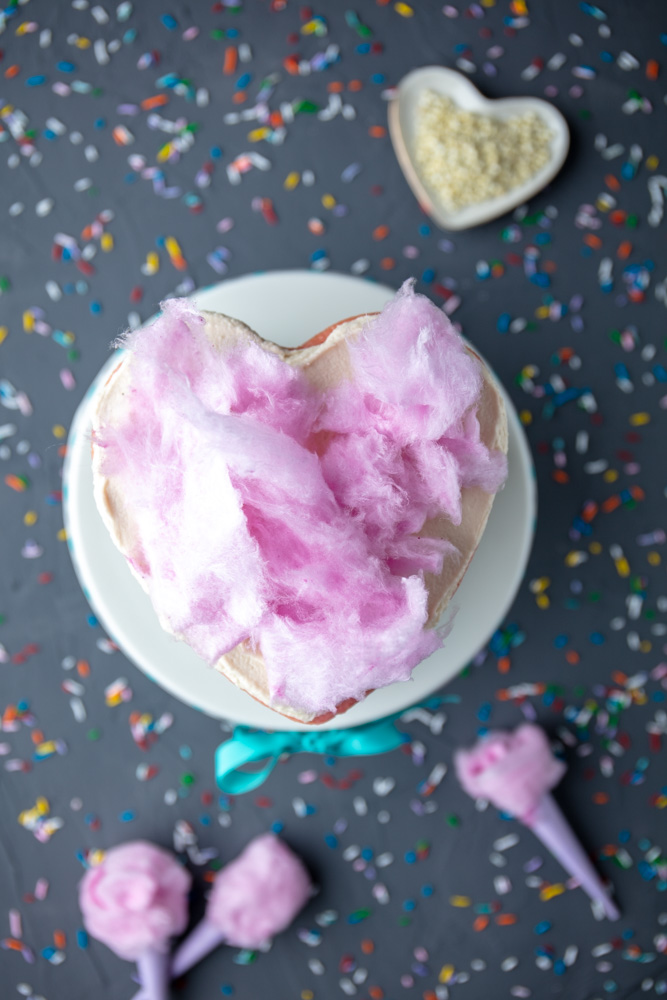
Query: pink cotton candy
x=514 y=771
x=136 y=899
x=258 y=894
x=246 y=531
x=410 y=437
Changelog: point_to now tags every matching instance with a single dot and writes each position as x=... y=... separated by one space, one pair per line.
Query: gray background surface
x=100 y=762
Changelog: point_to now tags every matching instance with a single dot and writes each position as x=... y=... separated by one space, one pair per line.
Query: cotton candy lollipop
x=253 y=898
x=516 y=772
x=134 y=901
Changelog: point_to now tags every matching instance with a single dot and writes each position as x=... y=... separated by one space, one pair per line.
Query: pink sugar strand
x=15 y=924
x=41 y=888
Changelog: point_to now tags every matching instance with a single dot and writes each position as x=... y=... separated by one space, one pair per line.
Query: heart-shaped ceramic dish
x=448 y=83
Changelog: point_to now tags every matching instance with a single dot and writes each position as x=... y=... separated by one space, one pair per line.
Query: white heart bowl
x=449 y=83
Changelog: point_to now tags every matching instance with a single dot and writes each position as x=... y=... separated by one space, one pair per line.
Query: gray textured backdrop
x=607 y=758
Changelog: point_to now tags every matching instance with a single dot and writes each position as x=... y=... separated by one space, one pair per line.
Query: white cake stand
x=289 y=307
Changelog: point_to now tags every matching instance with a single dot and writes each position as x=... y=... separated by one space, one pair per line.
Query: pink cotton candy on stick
x=516 y=771
x=253 y=898
x=134 y=901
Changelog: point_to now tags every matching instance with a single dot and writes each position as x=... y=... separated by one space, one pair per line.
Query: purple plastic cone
x=548 y=823
x=153 y=969
x=203 y=939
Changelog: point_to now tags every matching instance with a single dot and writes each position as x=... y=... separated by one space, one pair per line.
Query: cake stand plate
x=289 y=307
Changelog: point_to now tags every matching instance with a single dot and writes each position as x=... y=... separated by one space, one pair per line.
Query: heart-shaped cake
x=300 y=517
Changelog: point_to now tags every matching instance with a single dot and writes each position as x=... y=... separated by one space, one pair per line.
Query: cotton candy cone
x=153 y=969
x=253 y=898
x=197 y=945
x=548 y=823
x=134 y=901
x=203 y=939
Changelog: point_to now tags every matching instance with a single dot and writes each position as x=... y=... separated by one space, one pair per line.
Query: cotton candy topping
x=268 y=511
x=514 y=770
x=258 y=894
x=135 y=899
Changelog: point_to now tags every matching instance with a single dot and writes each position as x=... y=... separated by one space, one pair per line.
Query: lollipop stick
x=548 y=823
